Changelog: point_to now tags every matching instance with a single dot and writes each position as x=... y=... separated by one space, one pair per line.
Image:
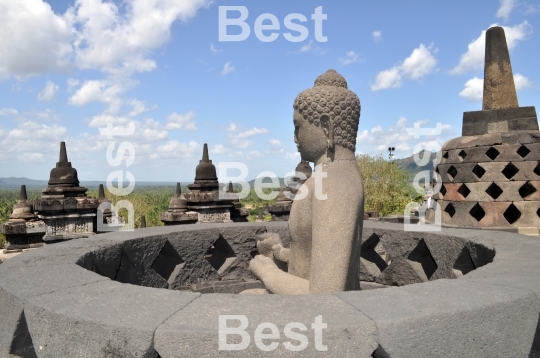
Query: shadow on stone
x=220 y=255
x=535 y=349
x=380 y=353
x=22 y=345
x=167 y=262
x=464 y=263
x=421 y=256
x=367 y=251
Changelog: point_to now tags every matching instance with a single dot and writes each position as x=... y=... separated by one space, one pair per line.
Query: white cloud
x=292 y=156
x=184 y=122
x=420 y=63
x=377 y=35
x=30 y=157
x=8 y=112
x=254 y=155
x=310 y=48
x=474 y=88
x=106 y=91
x=474 y=57
x=72 y=83
x=506 y=8
x=522 y=82
x=378 y=139
x=39 y=41
x=228 y=68
x=532 y=9
x=47 y=94
x=473 y=91
x=350 y=57
x=91 y=34
x=176 y=149
x=219 y=149
x=276 y=146
x=239 y=137
x=138 y=108
x=214 y=50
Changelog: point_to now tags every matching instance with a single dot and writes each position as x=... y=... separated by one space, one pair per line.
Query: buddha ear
x=328 y=127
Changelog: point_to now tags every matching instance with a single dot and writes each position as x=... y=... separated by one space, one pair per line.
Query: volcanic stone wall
x=491 y=180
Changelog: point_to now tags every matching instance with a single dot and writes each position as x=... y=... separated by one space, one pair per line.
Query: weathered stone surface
x=194 y=330
x=123 y=327
x=236 y=286
x=443 y=326
x=400 y=272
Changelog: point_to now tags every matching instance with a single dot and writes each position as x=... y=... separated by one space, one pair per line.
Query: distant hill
x=408 y=164
x=13 y=182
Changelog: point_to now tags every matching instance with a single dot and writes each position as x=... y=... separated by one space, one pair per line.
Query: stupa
x=281 y=210
x=23 y=230
x=204 y=203
x=64 y=206
x=491 y=174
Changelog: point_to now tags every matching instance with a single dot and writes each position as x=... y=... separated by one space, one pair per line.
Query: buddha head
x=326 y=117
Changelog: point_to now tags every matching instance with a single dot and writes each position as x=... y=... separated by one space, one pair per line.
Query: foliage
x=147 y=201
x=386 y=186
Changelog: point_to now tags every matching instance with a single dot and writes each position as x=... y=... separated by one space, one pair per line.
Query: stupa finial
x=499 y=86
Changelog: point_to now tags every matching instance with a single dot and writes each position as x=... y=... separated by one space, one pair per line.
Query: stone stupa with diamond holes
x=491 y=175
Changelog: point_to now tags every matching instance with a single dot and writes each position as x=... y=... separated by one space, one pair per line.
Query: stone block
x=194 y=330
x=494 y=214
x=528 y=213
x=527 y=170
x=457 y=173
x=480 y=122
x=457 y=213
x=510 y=191
x=452 y=193
x=105 y=319
x=400 y=272
x=496 y=172
x=193 y=247
x=236 y=286
x=443 y=326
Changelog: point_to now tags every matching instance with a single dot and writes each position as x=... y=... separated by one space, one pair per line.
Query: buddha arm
x=276 y=280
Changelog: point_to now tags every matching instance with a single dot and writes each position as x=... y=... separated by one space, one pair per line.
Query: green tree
x=386 y=187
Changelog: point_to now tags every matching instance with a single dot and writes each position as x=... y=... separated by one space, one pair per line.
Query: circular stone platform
x=53 y=305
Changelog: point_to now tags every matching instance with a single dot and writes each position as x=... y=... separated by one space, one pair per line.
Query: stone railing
x=53 y=305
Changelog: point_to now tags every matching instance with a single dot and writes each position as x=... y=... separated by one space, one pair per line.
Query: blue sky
x=69 y=67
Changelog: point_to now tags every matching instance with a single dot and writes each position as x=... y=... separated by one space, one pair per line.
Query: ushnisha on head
x=331 y=104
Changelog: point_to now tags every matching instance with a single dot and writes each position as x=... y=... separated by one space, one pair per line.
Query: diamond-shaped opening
x=537 y=169
x=464 y=263
x=535 y=349
x=494 y=191
x=380 y=353
x=21 y=344
x=437 y=170
x=464 y=190
x=443 y=190
x=452 y=172
x=477 y=212
x=523 y=151
x=220 y=255
x=492 y=153
x=538 y=213
x=445 y=155
x=510 y=171
x=450 y=210
x=421 y=257
x=168 y=262
x=526 y=190
x=479 y=171
x=462 y=155
x=512 y=214
x=368 y=251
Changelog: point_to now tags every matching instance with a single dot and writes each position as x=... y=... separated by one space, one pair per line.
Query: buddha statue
x=327 y=214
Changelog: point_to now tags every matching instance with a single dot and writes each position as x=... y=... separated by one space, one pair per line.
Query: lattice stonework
x=491 y=185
